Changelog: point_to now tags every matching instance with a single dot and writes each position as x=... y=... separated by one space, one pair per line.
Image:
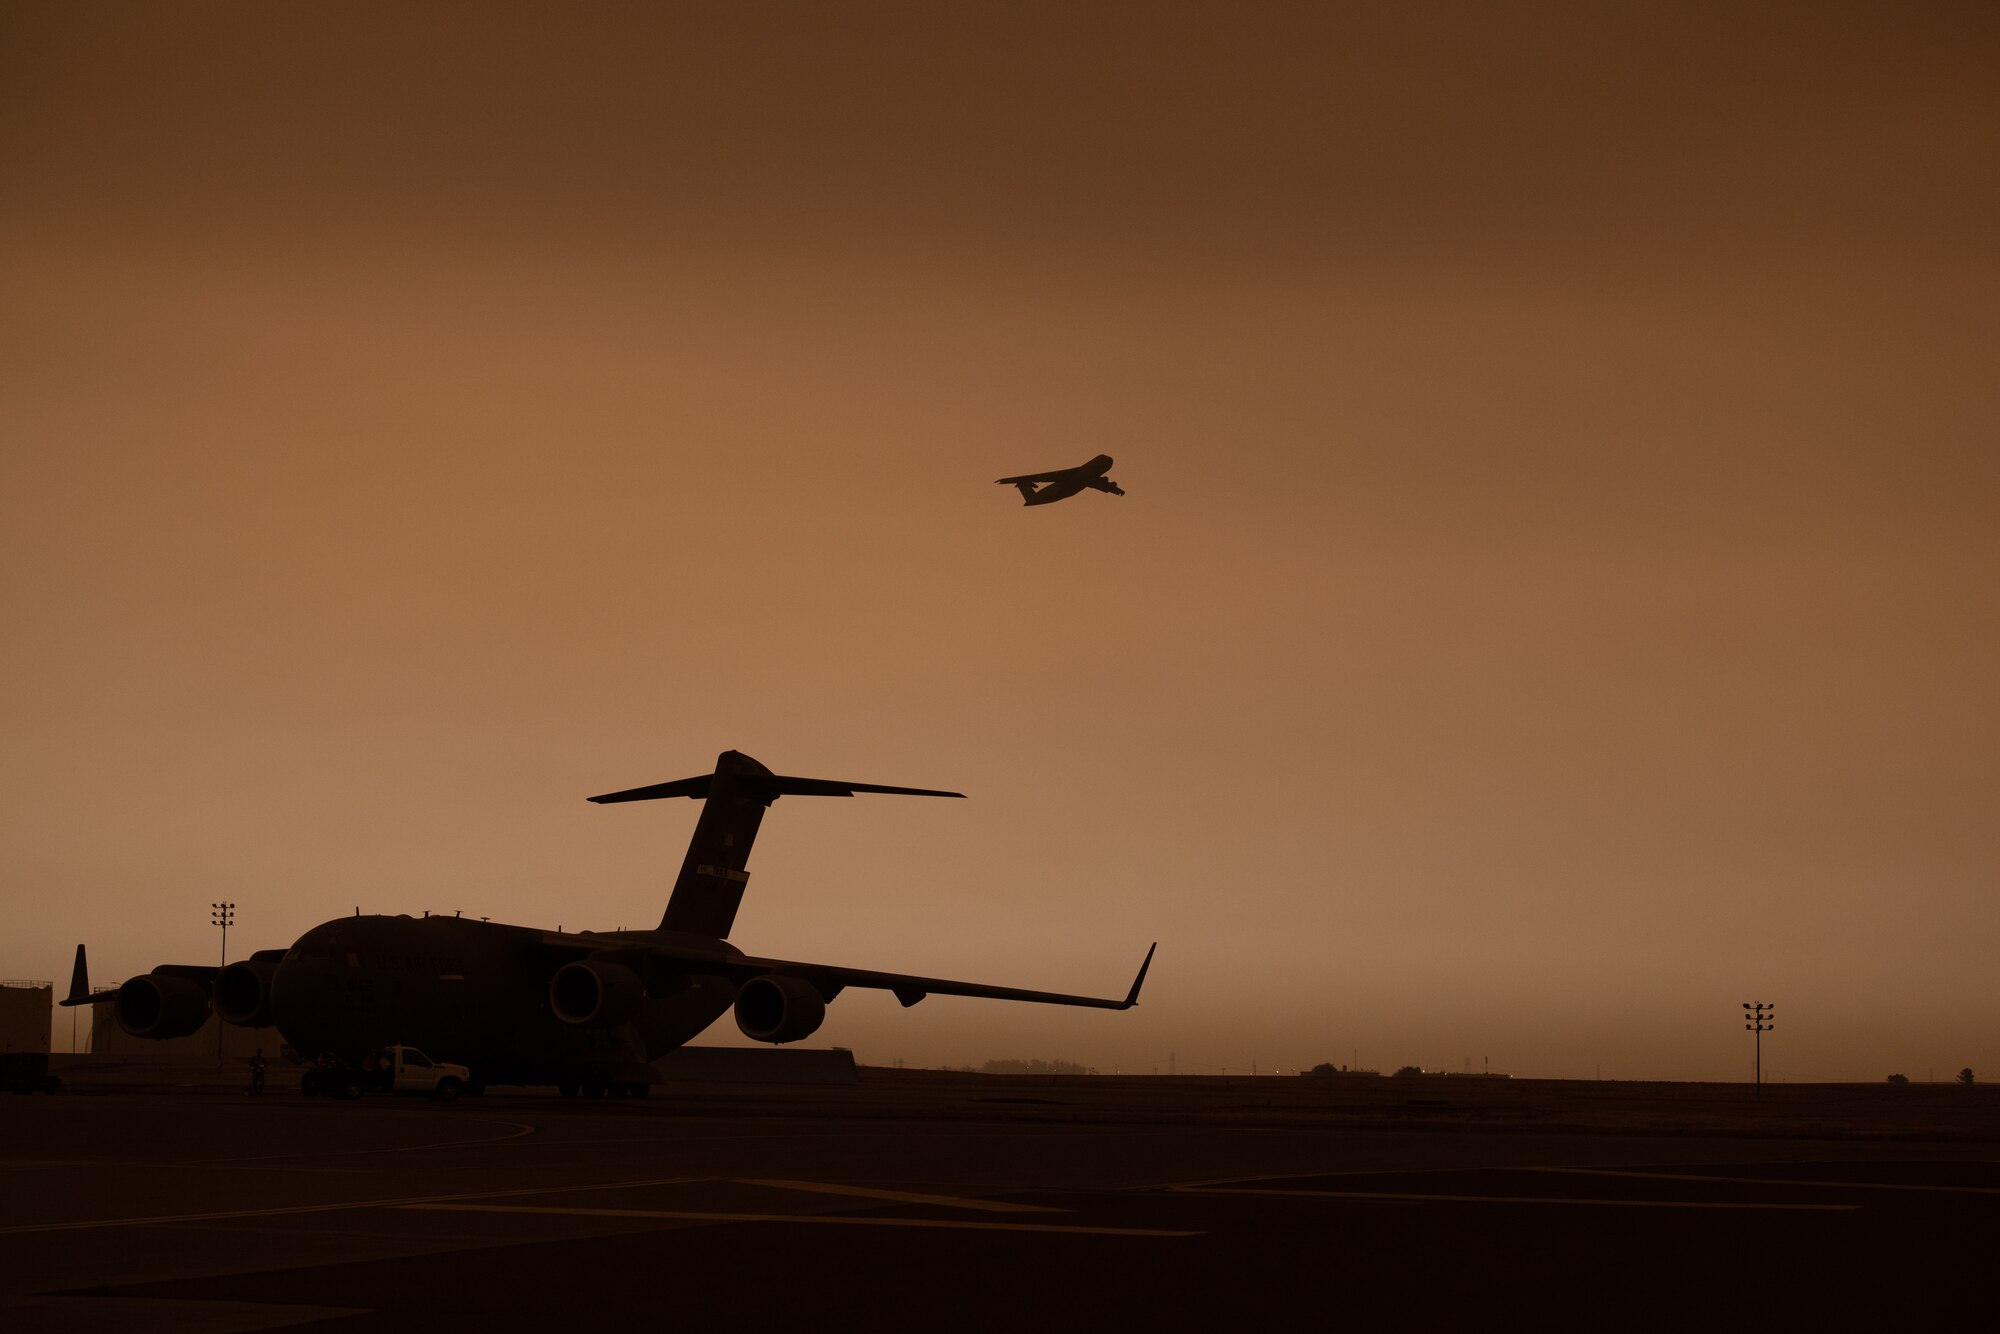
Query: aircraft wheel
x=593 y=1088
x=566 y=1090
x=446 y=1090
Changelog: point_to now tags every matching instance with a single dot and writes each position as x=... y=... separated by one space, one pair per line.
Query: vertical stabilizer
x=710 y=885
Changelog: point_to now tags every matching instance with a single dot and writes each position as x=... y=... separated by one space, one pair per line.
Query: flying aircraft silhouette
x=585 y=1010
x=1046 y=488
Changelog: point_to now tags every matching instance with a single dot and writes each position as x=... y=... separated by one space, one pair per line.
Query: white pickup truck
x=394 y=1069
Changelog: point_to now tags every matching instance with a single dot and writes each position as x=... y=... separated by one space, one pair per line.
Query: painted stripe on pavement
x=846 y=1220
x=1761 y=1181
x=280 y=1210
x=1520 y=1199
x=902 y=1196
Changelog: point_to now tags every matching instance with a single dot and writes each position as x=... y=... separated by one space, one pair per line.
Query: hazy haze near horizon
x=1555 y=600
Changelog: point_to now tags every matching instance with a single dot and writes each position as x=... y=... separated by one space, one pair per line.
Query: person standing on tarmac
x=257 y=1073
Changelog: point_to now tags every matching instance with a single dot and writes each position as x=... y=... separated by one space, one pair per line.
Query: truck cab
x=393 y=1069
x=410 y=1071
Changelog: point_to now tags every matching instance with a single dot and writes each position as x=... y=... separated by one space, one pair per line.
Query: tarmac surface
x=911 y=1200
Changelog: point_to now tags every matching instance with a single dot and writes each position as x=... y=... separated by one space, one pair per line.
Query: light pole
x=1761 y=1022
x=222 y=915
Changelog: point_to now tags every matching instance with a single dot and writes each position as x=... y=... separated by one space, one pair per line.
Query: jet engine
x=161 y=1005
x=771 y=1008
x=243 y=993
x=593 y=994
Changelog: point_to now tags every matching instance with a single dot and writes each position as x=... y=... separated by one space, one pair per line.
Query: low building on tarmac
x=26 y=1010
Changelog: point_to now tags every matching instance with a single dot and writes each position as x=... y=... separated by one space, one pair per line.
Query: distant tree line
x=1964 y=1077
x=1035 y=1068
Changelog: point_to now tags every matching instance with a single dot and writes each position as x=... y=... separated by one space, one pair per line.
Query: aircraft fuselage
x=476 y=993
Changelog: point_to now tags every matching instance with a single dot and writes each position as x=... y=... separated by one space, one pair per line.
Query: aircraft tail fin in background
x=734 y=797
x=79 y=986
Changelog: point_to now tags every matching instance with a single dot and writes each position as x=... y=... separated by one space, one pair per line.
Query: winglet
x=1132 y=996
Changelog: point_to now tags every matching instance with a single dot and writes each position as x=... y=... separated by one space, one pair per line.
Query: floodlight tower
x=1762 y=1021
x=221 y=914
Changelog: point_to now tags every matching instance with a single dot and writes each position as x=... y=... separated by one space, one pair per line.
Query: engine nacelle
x=591 y=994
x=243 y=993
x=161 y=1005
x=771 y=1008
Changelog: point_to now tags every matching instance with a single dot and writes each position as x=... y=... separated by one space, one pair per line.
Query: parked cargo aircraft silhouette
x=582 y=1010
x=1045 y=488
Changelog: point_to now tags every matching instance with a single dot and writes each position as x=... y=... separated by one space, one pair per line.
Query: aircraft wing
x=830 y=979
x=1058 y=475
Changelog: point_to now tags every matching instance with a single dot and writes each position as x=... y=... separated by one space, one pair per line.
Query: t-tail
x=710 y=886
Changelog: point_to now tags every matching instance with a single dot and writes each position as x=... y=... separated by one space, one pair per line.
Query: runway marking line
x=520 y=1129
x=902 y=1196
x=397 y=1203
x=838 y=1220
x=1516 y=1199
x=1291 y=1176
x=1760 y=1181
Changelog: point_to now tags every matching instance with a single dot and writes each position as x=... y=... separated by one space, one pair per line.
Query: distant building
x=1035 y=1067
x=26 y=1008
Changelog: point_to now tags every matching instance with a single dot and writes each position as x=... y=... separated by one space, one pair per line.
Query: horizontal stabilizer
x=827 y=787
x=768 y=788
x=680 y=787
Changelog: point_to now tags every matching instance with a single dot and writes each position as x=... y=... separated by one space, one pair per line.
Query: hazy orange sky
x=1555 y=600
